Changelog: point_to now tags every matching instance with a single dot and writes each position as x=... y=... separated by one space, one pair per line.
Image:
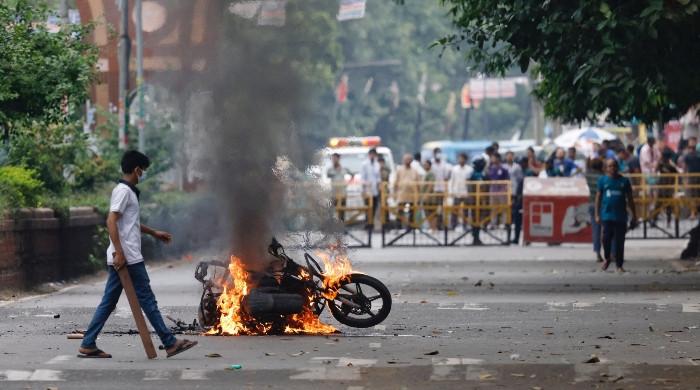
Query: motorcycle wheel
x=371 y=296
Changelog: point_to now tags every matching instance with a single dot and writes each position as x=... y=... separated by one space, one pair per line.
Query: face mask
x=142 y=176
x=438 y=156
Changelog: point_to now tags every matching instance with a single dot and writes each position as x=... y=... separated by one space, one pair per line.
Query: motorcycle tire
x=338 y=314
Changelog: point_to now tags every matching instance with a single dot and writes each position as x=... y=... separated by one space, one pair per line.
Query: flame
x=235 y=321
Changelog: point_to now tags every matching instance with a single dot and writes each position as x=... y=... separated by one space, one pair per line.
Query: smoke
x=246 y=110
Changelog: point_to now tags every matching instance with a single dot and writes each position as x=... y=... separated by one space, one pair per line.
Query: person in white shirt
x=371 y=179
x=441 y=169
x=125 y=228
x=457 y=184
x=416 y=164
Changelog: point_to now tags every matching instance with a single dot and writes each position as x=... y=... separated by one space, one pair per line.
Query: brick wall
x=37 y=247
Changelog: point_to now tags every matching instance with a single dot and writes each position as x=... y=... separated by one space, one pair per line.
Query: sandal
x=182 y=346
x=96 y=354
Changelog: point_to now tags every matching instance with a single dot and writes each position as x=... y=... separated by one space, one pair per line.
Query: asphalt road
x=537 y=316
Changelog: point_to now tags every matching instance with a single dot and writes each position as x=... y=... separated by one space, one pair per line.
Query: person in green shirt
x=613 y=198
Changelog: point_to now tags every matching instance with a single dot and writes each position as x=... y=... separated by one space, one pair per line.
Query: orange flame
x=235 y=321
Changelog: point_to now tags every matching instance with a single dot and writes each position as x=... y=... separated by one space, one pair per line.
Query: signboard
x=556 y=210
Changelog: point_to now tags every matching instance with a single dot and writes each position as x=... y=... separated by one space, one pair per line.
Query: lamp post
x=139 y=74
x=124 y=52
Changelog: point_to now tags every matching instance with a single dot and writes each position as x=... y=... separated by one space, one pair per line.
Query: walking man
x=124 y=227
x=613 y=199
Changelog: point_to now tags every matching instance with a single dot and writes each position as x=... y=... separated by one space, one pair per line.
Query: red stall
x=555 y=210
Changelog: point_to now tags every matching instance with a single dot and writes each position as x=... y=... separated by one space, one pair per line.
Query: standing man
x=441 y=169
x=458 y=187
x=371 y=179
x=593 y=175
x=613 y=199
x=337 y=173
x=406 y=190
x=498 y=192
x=517 y=212
x=649 y=156
x=125 y=228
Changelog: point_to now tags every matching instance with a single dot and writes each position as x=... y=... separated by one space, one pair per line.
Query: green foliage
x=61 y=156
x=404 y=34
x=45 y=74
x=19 y=187
x=633 y=58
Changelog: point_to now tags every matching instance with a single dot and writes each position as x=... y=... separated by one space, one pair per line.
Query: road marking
x=474 y=306
x=46 y=375
x=438 y=361
x=379 y=327
x=375 y=345
x=691 y=308
x=193 y=375
x=448 y=306
x=584 y=306
x=328 y=374
x=557 y=306
x=15 y=375
x=59 y=359
x=351 y=362
x=661 y=307
x=344 y=361
x=156 y=375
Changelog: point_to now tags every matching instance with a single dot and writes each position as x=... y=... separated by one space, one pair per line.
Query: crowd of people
x=421 y=186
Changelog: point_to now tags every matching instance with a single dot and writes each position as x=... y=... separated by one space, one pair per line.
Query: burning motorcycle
x=288 y=297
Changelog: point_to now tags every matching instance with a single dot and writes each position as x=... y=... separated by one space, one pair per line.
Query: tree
x=404 y=34
x=628 y=58
x=44 y=75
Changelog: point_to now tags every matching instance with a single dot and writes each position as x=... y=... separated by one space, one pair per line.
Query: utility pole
x=139 y=74
x=124 y=52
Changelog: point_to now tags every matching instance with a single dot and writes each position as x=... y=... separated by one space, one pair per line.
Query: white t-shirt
x=125 y=202
x=458 y=180
x=442 y=173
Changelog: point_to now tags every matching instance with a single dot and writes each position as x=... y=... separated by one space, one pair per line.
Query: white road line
x=46 y=375
x=351 y=362
x=193 y=375
x=380 y=327
x=557 y=306
x=15 y=375
x=375 y=345
x=691 y=308
x=156 y=375
x=59 y=359
x=661 y=307
x=328 y=374
x=448 y=306
x=584 y=306
x=445 y=361
x=474 y=306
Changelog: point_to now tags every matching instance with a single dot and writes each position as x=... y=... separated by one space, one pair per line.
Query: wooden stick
x=138 y=314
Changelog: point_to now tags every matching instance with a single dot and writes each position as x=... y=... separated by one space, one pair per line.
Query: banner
x=245 y=9
x=341 y=91
x=273 y=13
x=351 y=9
x=490 y=88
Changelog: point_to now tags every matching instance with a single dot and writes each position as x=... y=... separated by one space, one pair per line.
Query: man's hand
x=163 y=236
x=597 y=219
x=119 y=260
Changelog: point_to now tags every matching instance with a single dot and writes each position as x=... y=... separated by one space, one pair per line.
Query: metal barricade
x=416 y=215
x=666 y=204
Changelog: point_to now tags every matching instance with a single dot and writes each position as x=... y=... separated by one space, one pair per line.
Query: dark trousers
x=614 y=238
x=147 y=300
x=595 y=227
x=517 y=221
